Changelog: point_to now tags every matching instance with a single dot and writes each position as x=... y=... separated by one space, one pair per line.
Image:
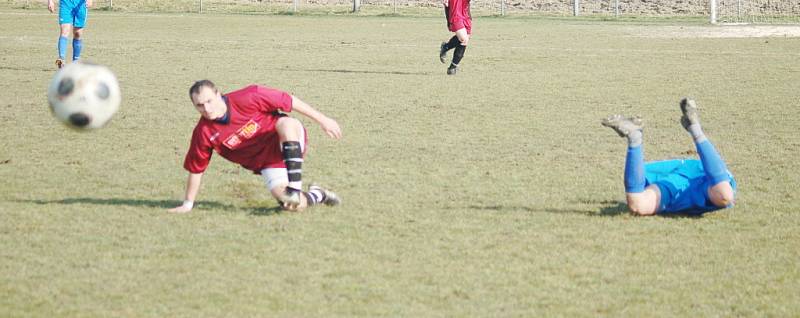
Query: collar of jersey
x=227 y=118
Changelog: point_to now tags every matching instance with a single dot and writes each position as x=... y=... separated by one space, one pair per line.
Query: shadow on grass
x=164 y=204
x=353 y=71
x=264 y=211
x=610 y=208
x=19 y=68
x=161 y=204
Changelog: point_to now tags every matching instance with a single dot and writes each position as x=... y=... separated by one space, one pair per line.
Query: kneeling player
x=249 y=127
x=686 y=186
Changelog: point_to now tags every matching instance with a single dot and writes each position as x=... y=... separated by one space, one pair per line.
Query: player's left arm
x=330 y=126
x=89 y=3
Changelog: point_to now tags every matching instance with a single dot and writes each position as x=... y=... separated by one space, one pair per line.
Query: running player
x=684 y=185
x=249 y=127
x=459 y=21
x=71 y=18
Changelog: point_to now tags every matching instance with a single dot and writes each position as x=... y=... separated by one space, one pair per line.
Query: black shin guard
x=293 y=158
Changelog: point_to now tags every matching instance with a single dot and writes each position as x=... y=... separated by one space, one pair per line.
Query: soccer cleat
x=443 y=52
x=59 y=63
x=690 y=114
x=452 y=70
x=329 y=197
x=623 y=126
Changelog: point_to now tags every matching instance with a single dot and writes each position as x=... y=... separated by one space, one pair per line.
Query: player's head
x=207 y=100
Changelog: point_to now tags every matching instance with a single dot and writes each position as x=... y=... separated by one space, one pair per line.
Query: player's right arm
x=192 y=188
x=51 y=6
x=329 y=125
x=197 y=158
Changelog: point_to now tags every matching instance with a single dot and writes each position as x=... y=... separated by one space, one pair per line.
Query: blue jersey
x=683 y=184
x=72 y=12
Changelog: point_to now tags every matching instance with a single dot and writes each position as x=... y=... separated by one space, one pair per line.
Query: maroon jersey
x=248 y=138
x=458 y=15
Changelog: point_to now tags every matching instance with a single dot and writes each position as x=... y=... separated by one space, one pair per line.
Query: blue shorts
x=72 y=12
x=683 y=184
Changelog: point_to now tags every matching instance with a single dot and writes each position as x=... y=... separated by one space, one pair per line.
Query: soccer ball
x=84 y=95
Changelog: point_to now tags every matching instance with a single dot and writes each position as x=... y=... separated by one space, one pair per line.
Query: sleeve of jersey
x=199 y=154
x=269 y=100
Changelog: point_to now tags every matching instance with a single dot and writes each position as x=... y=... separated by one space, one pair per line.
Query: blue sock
x=77 y=45
x=634 y=170
x=62 y=47
x=713 y=164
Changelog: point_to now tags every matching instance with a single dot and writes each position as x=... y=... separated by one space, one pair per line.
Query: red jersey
x=458 y=9
x=458 y=15
x=248 y=138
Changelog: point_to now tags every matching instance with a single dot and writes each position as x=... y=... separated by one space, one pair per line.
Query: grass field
x=492 y=193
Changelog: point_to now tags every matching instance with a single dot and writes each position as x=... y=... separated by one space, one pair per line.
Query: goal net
x=756 y=11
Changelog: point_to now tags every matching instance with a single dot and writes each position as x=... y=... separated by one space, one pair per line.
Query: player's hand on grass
x=290 y=206
x=291 y=199
x=183 y=208
x=331 y=128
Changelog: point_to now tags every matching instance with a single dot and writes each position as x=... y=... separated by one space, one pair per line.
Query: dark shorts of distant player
x=683 y=185
x=455 y=23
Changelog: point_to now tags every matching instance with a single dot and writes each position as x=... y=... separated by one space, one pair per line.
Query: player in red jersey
x=459 y=21
x=249 y=127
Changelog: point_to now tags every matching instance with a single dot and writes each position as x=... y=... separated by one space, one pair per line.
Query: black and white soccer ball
x=84 y=95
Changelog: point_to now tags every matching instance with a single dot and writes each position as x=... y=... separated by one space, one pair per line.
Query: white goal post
x=754 y=11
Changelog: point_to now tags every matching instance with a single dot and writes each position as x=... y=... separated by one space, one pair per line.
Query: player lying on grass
x=459 y=21
x=684 y=185
x=249 y=127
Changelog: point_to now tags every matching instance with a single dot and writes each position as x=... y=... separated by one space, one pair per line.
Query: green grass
x=492 y=193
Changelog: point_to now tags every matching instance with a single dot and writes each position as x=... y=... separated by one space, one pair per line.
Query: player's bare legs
x=641 y=200
x=463 y=36
x=644 y=203
x=290 y=131
x=721 y=193
x=77 y=43
x=292 y=135
x=63 y=37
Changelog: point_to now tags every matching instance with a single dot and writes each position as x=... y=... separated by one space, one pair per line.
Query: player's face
x=209 y=103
